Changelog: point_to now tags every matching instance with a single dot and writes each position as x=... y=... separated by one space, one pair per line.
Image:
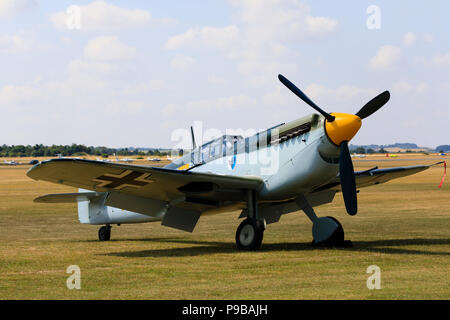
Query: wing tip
x=31 y=173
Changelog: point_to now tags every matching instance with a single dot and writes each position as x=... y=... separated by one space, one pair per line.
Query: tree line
x=39 y=150
x=362 y=150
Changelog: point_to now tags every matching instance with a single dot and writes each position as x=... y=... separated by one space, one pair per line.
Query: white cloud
x=409 y=39
x=261 y=41
x=222 y=104
x=169 y=109
x=91 y=68
x=344 y=93
x=14 y=43
x=281 y=20
x=421 y=87
x=144 y=87
x=9 y=8
x=261 y=70
x=108 y=48
x=125 y=107
x=387 y=56
x=87 y=78
x=67 y=41
x=216 y=79
x=205 y=37
x=168 y=124
x=11 y=95
x=279 y=96
x=181 y=62
x=320 y=25
x=269 y=28
x=279 y=50
x=428 y=37
x=102 y=16
x=404 y=87
x=442 y=60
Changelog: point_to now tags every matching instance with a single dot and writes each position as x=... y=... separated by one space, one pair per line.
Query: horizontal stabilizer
x=68 y=197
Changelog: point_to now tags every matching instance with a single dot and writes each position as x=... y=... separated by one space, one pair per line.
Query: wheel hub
x=247 y=234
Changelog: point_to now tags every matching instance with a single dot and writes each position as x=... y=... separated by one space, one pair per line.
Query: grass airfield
x=402 y=226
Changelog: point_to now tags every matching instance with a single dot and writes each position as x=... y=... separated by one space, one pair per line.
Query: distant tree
x=382 y=151
x=443 y=148
x=360 y=150
x=79 y=154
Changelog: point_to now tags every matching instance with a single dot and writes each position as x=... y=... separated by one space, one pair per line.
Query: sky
x=140 y=73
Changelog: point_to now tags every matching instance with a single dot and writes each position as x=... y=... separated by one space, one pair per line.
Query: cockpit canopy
x=235 y=144
x=214 y=149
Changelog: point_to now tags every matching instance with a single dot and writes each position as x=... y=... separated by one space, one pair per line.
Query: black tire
x=104 y=233
x=249 y=235
x=336 y=239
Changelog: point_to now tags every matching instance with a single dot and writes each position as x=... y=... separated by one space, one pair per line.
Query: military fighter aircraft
x=290 y=167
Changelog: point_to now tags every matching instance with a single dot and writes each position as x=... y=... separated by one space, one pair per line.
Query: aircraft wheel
x=336 y=239
x=104 y=233
x=249 y=234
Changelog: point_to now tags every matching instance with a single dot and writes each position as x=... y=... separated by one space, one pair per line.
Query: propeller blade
x=303 y=96
x=373 y=105
x=347 y=177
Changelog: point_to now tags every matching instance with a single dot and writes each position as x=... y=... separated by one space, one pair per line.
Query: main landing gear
x=104 y=233
x=249 y=234
x=327 y=231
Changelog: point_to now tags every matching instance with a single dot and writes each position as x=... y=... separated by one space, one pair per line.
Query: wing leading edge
x=375 y=176
x=68 y=197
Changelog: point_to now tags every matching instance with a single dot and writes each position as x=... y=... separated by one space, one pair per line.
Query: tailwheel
x=249 y=234
x=328 y=232
x=104 y=233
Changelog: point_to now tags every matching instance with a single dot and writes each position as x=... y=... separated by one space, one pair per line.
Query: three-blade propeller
x=346 y=172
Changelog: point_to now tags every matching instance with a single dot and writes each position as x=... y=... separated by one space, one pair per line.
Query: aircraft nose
x=343 y=128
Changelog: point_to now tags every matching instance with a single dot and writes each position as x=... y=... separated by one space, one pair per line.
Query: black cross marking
x=127 y=178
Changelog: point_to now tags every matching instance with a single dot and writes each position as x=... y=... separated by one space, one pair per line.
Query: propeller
x=303 y=96
x=340 y=129
x=373 y=105
x=347 y=177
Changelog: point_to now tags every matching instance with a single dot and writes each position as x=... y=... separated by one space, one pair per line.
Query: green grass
x=402 y=226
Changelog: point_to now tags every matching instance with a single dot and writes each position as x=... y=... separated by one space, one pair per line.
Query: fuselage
x=292 y=159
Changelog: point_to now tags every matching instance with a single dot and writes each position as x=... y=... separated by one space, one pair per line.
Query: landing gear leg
x=327 y=231
x=249 y=234
x=104 y=233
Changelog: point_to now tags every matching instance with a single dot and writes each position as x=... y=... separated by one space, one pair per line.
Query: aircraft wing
x=198 y=191
x=374 y=176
